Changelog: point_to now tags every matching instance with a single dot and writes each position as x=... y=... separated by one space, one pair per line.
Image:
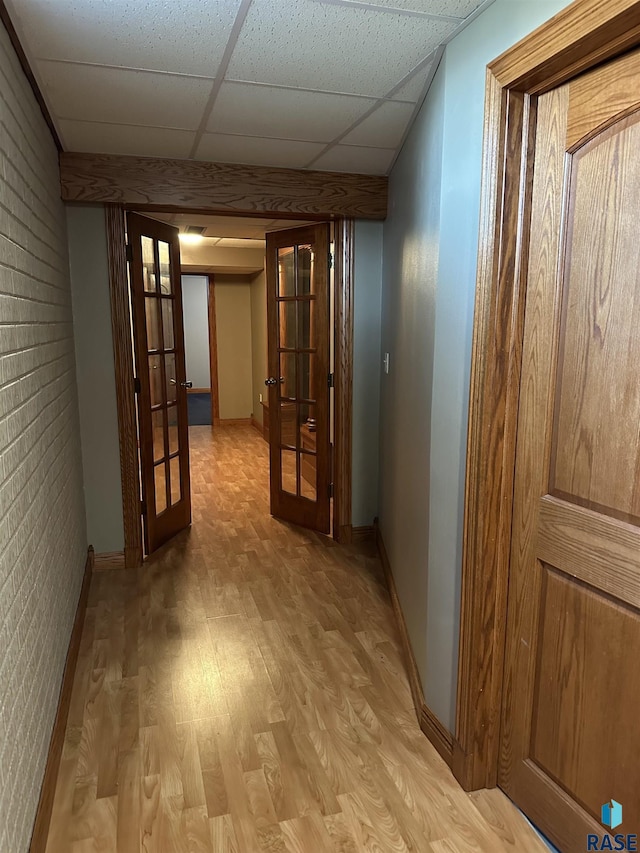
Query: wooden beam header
x=221 y=188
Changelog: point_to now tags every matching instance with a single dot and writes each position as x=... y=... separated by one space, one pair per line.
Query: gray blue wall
x=429 y=277
x=195 y=312
x=95 y=374
x=366 y=371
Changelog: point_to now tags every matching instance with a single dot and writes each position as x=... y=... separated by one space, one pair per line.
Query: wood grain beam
x=221 y=188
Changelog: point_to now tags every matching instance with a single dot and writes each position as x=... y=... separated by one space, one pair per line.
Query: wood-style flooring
x=244 y=691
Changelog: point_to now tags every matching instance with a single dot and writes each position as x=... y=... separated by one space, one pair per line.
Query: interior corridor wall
x=259 y=369
x=96 y=378
x=429 y=277
x=195 y=312
x=43 y=541
x=233 y=330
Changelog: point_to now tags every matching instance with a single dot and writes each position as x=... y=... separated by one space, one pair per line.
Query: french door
x=298 y=382
x=161 y=381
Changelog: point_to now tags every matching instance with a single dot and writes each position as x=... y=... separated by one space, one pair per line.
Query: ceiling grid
x=323 y=84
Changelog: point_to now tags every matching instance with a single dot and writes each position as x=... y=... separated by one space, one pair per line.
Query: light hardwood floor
x=244 y=692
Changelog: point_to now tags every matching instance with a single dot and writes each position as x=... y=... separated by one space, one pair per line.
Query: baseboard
x=256 y=425
x=47 y=791
x=232 y=422
x=437 y=734
x=363 y=534
x=110 y=560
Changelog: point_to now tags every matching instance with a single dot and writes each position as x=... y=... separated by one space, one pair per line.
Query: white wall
x=233 y=328
x=258 y=341
x=195 y=311
x=430 y=254
x=96 y=377
x=43 y=544
x=366 y=370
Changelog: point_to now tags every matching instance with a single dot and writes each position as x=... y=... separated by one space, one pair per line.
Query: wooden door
x=570 y=733
x=298 y=382
x=162 y=385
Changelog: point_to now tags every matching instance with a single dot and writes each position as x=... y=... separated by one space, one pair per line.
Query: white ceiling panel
x=257 y=151
x=284 y=113
x=233 y=227
x=125 y=139
x=455 y=8
x=351 y=158
x=239 y=243
x=384 y=128
x=137 y=98
x=334 y=48
x=187 y=36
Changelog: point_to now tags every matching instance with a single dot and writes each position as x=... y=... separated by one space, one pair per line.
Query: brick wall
x=42 y=525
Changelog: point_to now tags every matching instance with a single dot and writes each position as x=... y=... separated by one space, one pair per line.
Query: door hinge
x=143 y=508
x=330 y=380
x=129 y=252
x=330 y=490
x=137 y=388
x=330 y=260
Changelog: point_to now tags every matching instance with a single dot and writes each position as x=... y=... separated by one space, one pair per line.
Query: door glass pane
x=176 y=492
x=288 y=424
x=287 y=325
x=161 y=487
x=155 y=379
x=170 y=368
x=305 y=270
x=152 y=319
x=308 y=477
x=288 y=373
x=289 y=476
x=165 y=266
x=286 y=272
x=172 y=417
x=308 y=375
x=307 y=426
x=148 y=265
x=167 y=323
x=157 y=421
x=306 y=321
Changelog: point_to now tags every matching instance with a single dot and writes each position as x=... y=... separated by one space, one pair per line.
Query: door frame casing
x=125 y=387
x=585 y=34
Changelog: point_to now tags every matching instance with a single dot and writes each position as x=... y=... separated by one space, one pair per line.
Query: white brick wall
x=42 y=525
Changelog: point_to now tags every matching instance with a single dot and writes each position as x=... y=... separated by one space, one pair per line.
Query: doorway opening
x=234 y=278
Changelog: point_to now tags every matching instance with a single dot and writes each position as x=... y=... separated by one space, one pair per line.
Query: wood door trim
x=125 y=388
x=54 y=756
x=581 y=36
x=125 y=395
x=222 y=188
x=213 y=351
x=343 y=379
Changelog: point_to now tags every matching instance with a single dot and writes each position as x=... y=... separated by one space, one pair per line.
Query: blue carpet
x=199 y=406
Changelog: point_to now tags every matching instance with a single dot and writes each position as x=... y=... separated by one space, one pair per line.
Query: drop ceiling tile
x=256 y=151
x=351 y=158
x=92 y=93
x=182 y=35
x=284 y=113
x=98 y=138
x=334 y=48
x=237 y=243
x=455 y=8
x=384 y=128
